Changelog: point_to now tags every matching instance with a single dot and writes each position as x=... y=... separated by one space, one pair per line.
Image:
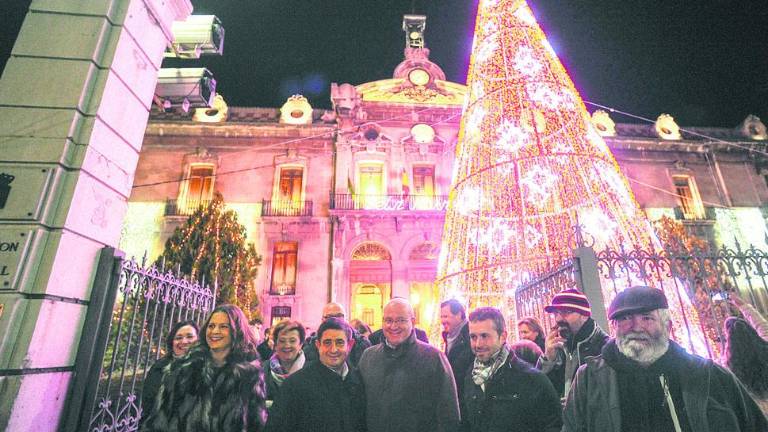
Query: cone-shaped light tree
x=529 y=168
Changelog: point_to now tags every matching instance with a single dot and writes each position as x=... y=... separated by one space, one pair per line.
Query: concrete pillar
x=589 y=281
x=74 y=102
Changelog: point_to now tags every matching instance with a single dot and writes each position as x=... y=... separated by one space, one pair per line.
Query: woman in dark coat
x=218 y=386
x=180 y=338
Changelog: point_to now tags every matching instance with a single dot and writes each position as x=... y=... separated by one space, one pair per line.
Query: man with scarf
x=502 y=392
x=645 y=382
x=575 y=338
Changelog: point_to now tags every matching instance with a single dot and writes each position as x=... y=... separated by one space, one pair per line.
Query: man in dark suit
x=326 y=395
x=453 y=317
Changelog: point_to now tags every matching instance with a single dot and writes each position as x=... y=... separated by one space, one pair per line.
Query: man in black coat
x=336 y=310
x=576 y=338
x=453 y=317
x=501 y=392
x=326 y=395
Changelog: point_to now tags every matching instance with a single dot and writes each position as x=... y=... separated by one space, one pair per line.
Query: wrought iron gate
x=131 y=310
x=708 y=276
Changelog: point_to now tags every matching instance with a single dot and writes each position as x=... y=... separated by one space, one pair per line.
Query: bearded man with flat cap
x=644 y=382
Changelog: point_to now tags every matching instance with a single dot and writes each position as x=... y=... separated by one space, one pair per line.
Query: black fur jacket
x=196 y=396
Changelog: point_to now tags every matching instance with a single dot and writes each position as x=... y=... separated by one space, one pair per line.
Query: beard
x=564 y=329
x=645 y=351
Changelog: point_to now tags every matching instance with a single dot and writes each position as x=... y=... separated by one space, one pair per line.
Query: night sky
x=704 y=62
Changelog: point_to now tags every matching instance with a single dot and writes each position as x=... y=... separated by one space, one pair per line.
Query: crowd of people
x=573 y=377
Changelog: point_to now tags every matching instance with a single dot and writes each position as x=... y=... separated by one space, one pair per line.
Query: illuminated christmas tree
x=211 y=247
x=529 y=167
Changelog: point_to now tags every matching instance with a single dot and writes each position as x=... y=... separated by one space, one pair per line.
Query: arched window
x=425 y=251
x=371 y=251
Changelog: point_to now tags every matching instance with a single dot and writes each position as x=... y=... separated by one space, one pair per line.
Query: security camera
x=185 y=87
x=198 y=35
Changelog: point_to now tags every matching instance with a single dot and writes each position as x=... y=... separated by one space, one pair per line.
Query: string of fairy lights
x=201 y=240
x=529 y=167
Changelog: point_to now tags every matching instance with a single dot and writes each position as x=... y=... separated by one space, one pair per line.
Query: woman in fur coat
x=182 y=336
x=218 y=386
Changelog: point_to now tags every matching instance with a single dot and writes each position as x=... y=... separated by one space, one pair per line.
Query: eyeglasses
x=334 y=315
x=400 y=321
x=563 y=313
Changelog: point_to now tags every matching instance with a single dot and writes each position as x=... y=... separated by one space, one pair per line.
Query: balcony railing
x=682 y=214
x=175 y=207
x=286 y=208
x=389 y=202
x=282 y=289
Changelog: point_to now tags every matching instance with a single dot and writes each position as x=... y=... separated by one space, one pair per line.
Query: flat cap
x=637 y=299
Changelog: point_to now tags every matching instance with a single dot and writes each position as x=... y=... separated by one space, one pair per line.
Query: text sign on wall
x=14 y=243
x=24 y=195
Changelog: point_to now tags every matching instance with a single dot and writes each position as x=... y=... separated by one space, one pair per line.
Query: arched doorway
x=368 y=303
x=370 y=278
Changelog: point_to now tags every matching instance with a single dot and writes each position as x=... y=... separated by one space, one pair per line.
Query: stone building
x=348 y=204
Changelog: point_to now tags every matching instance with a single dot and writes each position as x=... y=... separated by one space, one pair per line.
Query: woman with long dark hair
x=179 y=340
x=219 y=385
x=746 y=355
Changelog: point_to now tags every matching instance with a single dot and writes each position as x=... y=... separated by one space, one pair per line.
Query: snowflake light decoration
x=598 y=224
x=525 y=16
x=532 y=236
x=540 y=184
x=469 y=201
x=487 y=48
x=511 y=138
x=526 y=63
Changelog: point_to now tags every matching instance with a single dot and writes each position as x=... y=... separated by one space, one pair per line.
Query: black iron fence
x=123 y=336
x=706 y=277
x=389 y=202
x=532 y=296
x=286 y=208
x=184 y=207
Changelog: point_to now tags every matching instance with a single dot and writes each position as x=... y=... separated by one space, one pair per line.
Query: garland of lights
x=529 y=167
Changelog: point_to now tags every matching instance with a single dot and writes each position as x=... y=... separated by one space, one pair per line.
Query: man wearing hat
x=643 y=381
x=575 y=337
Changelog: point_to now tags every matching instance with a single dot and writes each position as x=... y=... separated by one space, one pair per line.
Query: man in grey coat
x=409 y=385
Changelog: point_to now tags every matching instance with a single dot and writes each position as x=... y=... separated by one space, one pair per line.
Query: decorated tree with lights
x=211 y=247
x=529 y=168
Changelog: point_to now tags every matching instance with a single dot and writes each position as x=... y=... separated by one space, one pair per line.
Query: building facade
x=348 y=204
